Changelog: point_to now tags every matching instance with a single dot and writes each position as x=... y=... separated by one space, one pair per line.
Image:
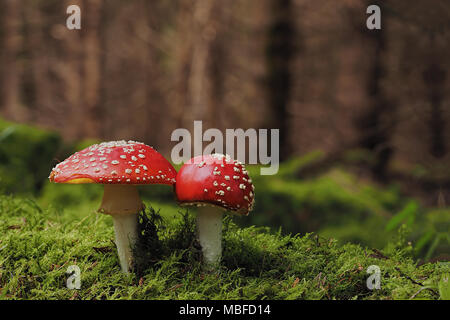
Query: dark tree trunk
x=11 y=47
x=434 y=77
x=280 y=53
x=376 y=124
x=92 y=56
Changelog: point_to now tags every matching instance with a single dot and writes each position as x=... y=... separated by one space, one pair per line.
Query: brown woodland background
x=140 y=69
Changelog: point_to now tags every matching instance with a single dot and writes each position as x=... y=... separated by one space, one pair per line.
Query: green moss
x=37 y=246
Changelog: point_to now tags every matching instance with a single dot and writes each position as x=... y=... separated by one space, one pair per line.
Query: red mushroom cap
x=216 y=180
x=115 y=162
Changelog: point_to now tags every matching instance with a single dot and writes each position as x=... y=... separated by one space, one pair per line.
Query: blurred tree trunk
x=39 y=99
x=181 y=51
x=216 y=68
x=198 y=79
x=200 y=64
x=69 y=71
x=155 y=46
x=11 y=64
x=280 y=52
x=377 y=122
x=92 y=67
x=434 y=77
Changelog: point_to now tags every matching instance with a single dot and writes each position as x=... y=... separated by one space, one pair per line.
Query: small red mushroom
x=119 y=166
x=215 y=183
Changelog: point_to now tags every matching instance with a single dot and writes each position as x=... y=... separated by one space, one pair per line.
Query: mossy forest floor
x=38 y=245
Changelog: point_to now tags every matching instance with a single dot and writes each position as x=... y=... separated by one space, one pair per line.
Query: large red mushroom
x=215 y=184
x=120 y=166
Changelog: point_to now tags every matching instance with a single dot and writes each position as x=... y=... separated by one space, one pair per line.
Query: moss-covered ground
x=38 y=245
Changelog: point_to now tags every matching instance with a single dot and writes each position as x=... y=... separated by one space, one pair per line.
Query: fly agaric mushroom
x=214 y=183
x=119 y=166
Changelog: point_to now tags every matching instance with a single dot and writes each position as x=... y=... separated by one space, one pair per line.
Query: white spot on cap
x=128 y=171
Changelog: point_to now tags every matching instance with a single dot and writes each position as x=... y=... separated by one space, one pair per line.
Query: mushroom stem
x=123 y=203
x=125 y=228
x=121 y=199
x=209 y=226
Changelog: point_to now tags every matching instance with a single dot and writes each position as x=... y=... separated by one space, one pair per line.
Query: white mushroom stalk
x=123 y=203
x=209 y=230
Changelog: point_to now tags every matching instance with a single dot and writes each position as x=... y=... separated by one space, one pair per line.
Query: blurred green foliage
x=26 y=156
x=80 y=145
x=338 y=204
